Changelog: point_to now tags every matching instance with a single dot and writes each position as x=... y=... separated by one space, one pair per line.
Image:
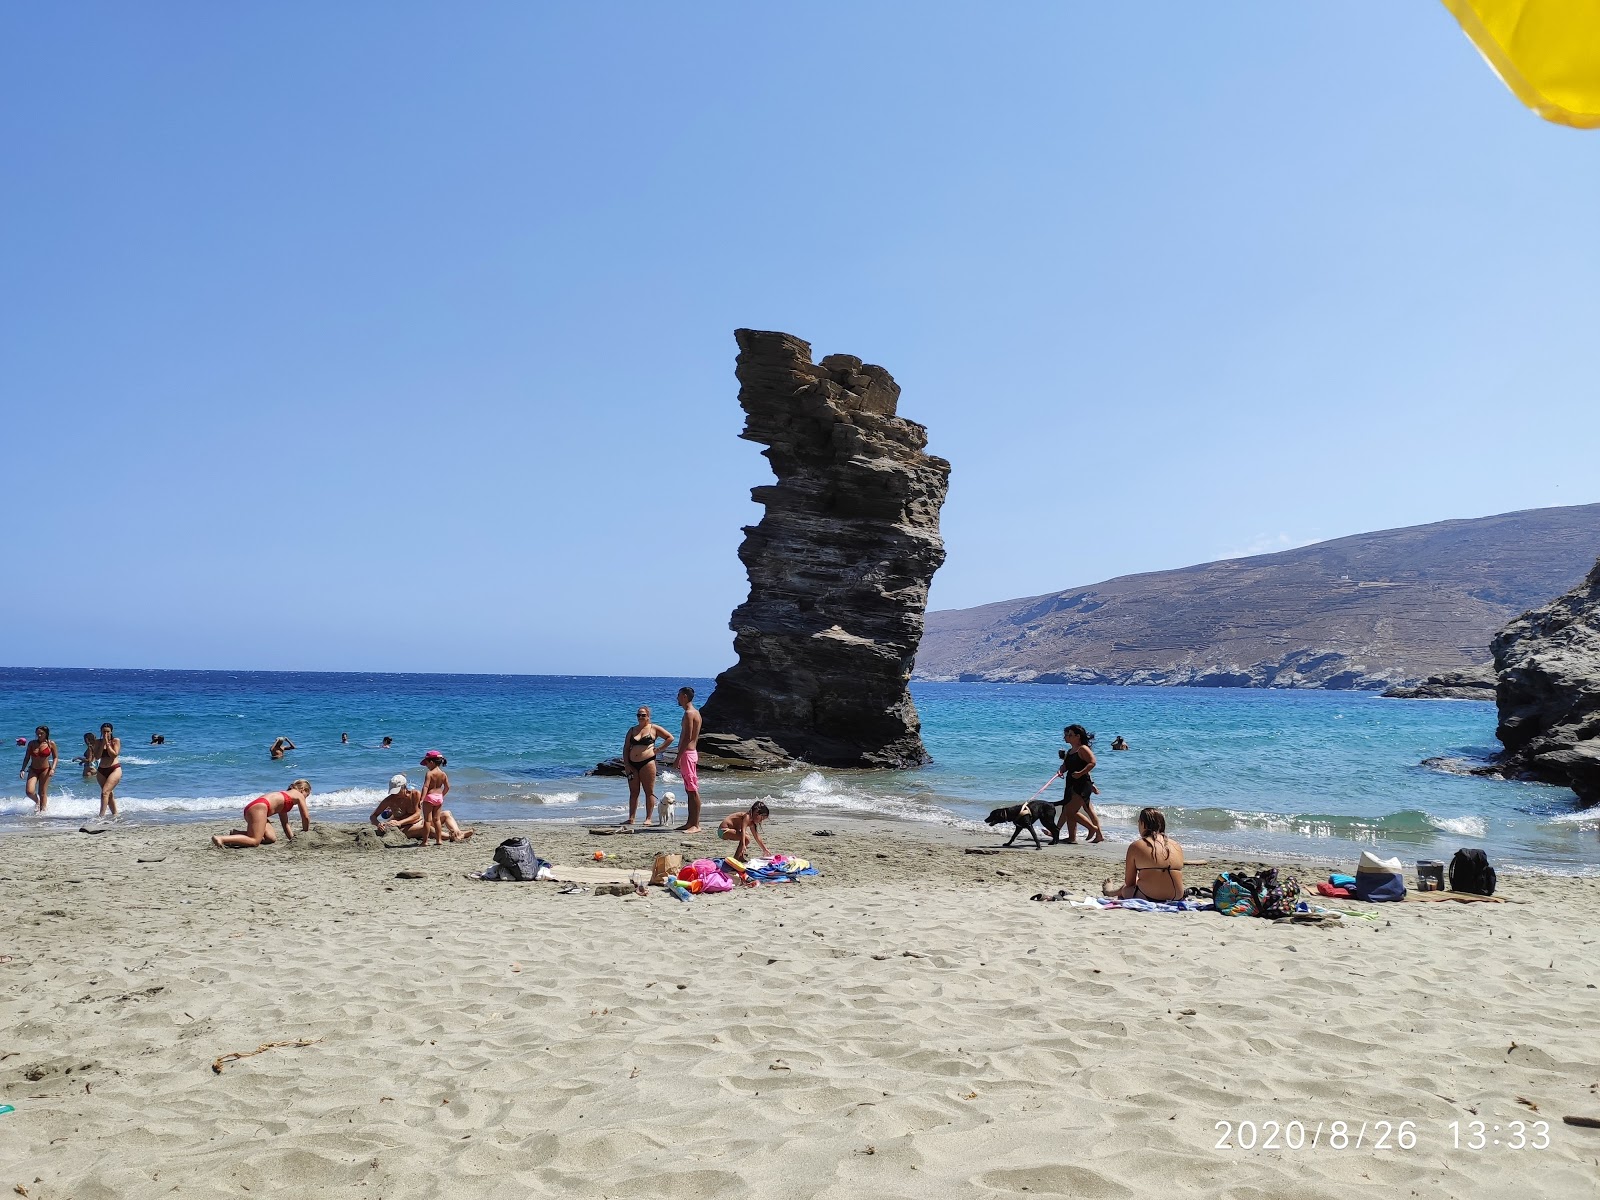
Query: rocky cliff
x=1367 y=611
x=839 y=567
x=1549 y=691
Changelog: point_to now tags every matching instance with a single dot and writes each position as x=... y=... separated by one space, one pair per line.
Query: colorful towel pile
x=777 y=869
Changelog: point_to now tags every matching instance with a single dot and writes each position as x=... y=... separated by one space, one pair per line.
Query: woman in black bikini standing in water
x=109 y=770
x=1076 y=765
x=639 y=749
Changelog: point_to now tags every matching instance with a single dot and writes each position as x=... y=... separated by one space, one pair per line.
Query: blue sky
x=399 y=336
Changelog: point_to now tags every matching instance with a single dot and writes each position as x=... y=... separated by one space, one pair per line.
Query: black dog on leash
x=1022 y=816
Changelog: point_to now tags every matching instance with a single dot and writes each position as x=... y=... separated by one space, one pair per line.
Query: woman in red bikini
x=259 y=812
x=38 y=764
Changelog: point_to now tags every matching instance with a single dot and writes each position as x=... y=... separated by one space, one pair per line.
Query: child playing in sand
x=435 y=787
x=401 y=809
x=741 y=827
x=259 y=812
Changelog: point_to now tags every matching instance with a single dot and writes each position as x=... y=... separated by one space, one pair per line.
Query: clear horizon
x=400 y=339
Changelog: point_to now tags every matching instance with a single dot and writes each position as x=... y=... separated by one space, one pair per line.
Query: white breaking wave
x=1584 y=816
x=130 y=760
x=66 y=804
x=1472 y=827
x=817 y=791
x=557 y=797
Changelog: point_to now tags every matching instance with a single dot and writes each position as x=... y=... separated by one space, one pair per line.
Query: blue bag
x=1379 y=879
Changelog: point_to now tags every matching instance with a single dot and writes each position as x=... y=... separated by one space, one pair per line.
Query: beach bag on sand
x=1263 y=894
x=517 y=861
x=665 y=868
x=712 y=878
x=1470 y=872
x=1276 y=897
x=1379 y=879
x=1233 y=894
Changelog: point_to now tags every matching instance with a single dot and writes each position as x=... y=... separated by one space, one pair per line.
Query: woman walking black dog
x=1077 y=764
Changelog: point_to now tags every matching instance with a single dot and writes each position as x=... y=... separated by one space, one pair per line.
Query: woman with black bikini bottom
x=1153 y=868
x=108 y=770
x=639 y=749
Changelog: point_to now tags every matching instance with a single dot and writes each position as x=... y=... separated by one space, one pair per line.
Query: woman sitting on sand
x=639 y=749
x=1153 y=868
x=259 y=812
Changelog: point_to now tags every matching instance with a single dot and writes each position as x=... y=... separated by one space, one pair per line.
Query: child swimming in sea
x=435 y=787
x=741 y=827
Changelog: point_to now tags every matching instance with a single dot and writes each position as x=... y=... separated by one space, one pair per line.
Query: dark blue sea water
x=1299 y=773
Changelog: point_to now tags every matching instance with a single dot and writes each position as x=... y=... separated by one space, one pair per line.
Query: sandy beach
x=908 y=1024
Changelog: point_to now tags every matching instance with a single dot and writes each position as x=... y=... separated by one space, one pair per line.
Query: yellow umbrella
x=1546 y=51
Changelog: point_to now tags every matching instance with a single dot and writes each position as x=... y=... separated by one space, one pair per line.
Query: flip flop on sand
x=1056 y=899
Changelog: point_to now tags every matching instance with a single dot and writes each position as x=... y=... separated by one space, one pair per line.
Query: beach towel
x=778 y=870
x=1161 y=906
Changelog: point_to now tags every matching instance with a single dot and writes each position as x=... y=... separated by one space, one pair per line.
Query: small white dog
x=668 y=812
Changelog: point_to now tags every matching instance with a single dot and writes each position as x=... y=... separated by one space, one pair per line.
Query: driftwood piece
x=261 y=1049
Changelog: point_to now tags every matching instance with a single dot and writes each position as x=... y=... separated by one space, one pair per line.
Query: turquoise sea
x=1296 y=773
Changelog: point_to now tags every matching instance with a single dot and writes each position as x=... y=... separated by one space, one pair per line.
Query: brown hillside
x=1364 y=611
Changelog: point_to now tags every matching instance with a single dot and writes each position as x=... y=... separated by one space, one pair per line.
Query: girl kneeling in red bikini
x=259 y=812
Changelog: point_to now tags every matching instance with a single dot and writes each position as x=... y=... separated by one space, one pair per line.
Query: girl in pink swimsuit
x=435 y=787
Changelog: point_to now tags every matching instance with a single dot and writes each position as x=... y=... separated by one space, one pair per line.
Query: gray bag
x=516 y=861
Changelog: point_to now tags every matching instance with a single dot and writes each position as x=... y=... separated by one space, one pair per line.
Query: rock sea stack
x=839 y=567
x=1548 y=667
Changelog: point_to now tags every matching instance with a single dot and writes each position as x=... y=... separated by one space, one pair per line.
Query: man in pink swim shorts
x=689 y=758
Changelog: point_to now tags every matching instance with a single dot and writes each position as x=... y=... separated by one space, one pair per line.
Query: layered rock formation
x=1475 y=684
x=1548 y=662
x=839 y=567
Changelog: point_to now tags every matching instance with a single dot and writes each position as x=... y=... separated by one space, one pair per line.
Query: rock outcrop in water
x=1548 y=662
x=839 y=567
x=1478 y=683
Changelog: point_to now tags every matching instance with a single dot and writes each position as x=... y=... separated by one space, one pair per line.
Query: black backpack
x=517 y=861
x=1470 y=872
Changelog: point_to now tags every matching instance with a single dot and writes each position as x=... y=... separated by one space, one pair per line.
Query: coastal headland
x=908 y=1024
x=1372 y=610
